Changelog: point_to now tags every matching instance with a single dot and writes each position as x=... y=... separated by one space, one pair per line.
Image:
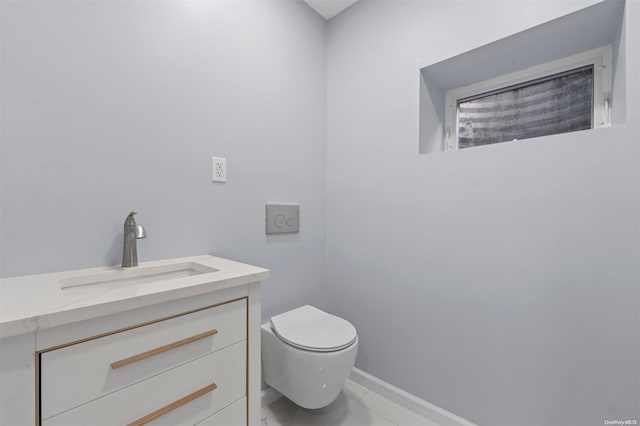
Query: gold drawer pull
x=156 y=351
x=164 y=410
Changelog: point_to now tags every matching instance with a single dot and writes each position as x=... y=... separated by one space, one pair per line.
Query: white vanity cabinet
x=190 y=361
x=17 y=380
x=198 y=358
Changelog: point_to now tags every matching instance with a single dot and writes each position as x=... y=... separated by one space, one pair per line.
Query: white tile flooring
x=356 y=405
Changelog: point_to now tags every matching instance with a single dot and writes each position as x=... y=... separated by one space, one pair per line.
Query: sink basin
x=118 y=276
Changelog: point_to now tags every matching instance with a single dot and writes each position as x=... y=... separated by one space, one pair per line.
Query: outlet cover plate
x=219 y=169
x=282 y=218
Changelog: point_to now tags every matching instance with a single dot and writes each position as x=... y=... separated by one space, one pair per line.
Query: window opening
x=565 y=95
x=559 y=103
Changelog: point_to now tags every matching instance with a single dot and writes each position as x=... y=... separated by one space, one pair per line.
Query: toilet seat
x=311 y=329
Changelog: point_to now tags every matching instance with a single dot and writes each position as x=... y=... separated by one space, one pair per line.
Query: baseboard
x=405 y=399
x=269 y=396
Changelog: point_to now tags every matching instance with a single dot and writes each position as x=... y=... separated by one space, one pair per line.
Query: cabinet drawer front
x=73 y=375
x=233 y=415
x=224 y=368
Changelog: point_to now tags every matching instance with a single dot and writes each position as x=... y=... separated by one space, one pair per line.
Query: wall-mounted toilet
x=307 y=355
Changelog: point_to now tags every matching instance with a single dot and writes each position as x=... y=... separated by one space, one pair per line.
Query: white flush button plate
x=282 y=218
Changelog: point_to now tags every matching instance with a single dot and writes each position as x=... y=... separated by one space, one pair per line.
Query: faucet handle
x=130 y=221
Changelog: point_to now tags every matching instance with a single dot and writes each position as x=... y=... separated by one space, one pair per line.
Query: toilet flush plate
x=282 y=218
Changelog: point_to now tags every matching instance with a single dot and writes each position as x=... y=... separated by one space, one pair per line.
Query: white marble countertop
x=33 y=302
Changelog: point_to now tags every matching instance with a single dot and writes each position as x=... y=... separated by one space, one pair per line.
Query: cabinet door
x=233 y=415
x=76 y=374
x=170 y=393
x=17 y=386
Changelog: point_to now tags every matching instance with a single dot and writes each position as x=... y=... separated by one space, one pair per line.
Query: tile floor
x=356 y=405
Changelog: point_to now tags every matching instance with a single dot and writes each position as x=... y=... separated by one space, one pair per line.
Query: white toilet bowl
x=307 y=355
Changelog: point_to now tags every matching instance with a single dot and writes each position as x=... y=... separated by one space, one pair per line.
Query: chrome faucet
x=132 y=232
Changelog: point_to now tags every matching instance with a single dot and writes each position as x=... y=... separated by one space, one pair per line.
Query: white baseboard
x=269 y=396
x=405 y=399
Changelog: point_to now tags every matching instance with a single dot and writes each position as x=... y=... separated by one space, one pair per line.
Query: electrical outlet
x=219 y=169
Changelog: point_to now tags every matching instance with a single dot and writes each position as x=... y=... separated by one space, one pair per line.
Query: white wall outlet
x=219 y=169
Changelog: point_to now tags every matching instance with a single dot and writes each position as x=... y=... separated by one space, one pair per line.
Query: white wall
x=112 y=106
x=501 y=282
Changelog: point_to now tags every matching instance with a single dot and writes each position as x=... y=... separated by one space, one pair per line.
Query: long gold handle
x=156 y=351
x=164 y=410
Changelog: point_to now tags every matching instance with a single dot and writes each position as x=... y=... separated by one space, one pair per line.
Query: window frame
x=599 y=58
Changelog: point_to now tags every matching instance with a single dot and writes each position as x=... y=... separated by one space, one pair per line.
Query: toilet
x=307 y=355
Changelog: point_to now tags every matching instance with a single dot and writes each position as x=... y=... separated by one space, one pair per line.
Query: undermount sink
x=118 y=276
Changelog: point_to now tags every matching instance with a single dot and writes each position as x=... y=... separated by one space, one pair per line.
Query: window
x=565 y=95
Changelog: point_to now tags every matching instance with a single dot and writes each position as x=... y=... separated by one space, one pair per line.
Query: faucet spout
x=132 y=232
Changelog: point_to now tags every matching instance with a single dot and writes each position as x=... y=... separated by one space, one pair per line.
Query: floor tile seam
x=393 y=421
x=338 y=419
x=343 y=415
x=372 y=410
x=384 y=417
x=355 y=402
x=361 y=397
x=395 y=403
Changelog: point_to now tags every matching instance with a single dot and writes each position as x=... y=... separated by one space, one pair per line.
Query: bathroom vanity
x=168 y=342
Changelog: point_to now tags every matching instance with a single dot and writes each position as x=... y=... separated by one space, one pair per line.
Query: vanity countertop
x=33 y=302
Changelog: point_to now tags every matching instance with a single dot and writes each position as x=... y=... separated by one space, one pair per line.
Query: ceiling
x=329 y=8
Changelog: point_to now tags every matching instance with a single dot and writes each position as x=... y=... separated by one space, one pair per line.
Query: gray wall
x=112 y=106
x=501 y=282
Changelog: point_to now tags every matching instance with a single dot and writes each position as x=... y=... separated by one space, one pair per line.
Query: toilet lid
x=310 y=328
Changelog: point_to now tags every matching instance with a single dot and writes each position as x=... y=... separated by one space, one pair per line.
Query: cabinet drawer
x=75 y=374
x=224 y=368
x=233 y=415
